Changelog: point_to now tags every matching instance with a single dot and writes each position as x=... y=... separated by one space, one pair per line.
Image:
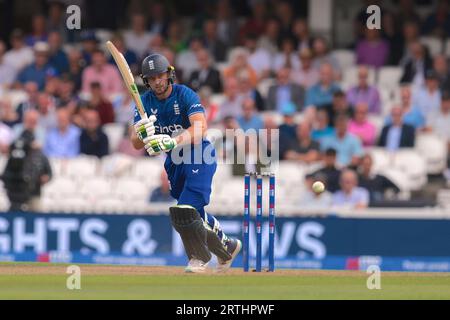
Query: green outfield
x=48 y=281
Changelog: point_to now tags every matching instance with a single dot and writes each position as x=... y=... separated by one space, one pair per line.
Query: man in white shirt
x=137 y=39
x=350 y=195
x=259 y=58
x=7 y=72
x=20 y=55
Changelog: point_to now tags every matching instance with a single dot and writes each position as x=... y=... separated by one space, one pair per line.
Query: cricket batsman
x=174 y=110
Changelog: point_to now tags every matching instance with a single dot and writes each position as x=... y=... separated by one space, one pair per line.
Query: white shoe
x=234 y=247
x=196 y=266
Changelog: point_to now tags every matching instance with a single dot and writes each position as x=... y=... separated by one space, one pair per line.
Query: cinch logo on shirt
x=170 y=129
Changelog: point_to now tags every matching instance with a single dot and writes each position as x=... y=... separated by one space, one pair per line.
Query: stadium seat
x=60 y=188
x=80 y=167
x=389 y=77
x=132 y=189
x=16 y=97
x=345 y=58
x=413 y=165
x=218 y=99
x=116 y=165
x=110 y=205
x=350 y=77
x=147 y=170
x=434 y=44
x=434 y=149
x=115 y=133
x=264 y=86
x=96 y=188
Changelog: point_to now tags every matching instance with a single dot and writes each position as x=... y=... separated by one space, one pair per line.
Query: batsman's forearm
x=192 y=135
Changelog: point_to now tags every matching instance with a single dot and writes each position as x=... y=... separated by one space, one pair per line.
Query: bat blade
x=127 y=76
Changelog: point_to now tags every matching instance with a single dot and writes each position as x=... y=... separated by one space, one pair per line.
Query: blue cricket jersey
x=172 y=114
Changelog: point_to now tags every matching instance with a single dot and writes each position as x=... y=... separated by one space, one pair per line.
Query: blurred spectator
x=31 y=123
x=438 y=23
x=175 y=37
x=32 y=91
x=322 y=93
x=93 y=140
x=126 y=146
x=170 y=55
x=397 y=134
x=19 y=56
x=89 y=44
x=6 y=137
x=156 y=45
x=285 y=91
x=76 y=65
x=56 y=20
x=26 y=171
x=376 y=184
x=162 y=193
x=406 y=12
x=238 y=63
x=416 y=65
x=40 y=70
x=329 y=170
x=288 y=128
x=438 y=121
x=287 y=56
x=361 y=127
x=101 y=104
x=347 y=145
x=159 y=20
x=8 y=114
x=402 y=50
x=411 y=114
x=66 y=94
x=216 y=47
x=38 y=30
x=7 y=72
x=137 y=38
x=63 y=141
x=441 y=67
x=52 y=86
x=365 y=93
x=313 y=200
x=285 y=14
x=206 y=74
x=250 y=119
x=187 y=59
x=247 y=90
x=350 y=195
x=129 y=55
x=57 y=57
x=255 y=24
x=259 y=58
x=47 y=111
x=211 y=109
x=307 y=76
x=300 y=30
x=302 y=148
x=322 y=56
x=373 y=50
x=227 y=24
x=100 y=71
x=338 y=106
x=269 y=40
x=123 y=113
x=231 y=106
x=321 y=125
x=428 y=98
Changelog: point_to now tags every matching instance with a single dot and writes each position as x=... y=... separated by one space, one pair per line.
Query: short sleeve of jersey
x=191 y=101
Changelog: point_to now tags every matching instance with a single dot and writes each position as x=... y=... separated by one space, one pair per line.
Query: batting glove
x=160 y=142
x=145 y=127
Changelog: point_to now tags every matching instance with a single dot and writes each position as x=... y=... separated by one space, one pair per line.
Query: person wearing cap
x=38 y=71
x=428 y=98
x=307 y=76
x=288 y=127
x=89 y=43
x=285 y=91
x=19 y=56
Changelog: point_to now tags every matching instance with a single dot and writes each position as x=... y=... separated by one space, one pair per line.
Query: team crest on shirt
x=176 y=108
x=151 y=65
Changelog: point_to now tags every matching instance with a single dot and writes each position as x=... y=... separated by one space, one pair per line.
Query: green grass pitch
x=48 y=281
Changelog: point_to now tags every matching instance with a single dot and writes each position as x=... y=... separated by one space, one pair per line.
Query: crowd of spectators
x=74 y=89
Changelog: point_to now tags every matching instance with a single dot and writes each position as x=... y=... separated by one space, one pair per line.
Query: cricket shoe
x=233 y=247
x=196 y=266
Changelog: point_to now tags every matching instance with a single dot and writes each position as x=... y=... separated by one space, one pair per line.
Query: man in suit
x=397 y=134
x=416 y=66
x=285 y=91
x=206 y=75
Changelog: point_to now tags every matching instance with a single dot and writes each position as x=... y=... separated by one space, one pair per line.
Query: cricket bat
x=127 y=77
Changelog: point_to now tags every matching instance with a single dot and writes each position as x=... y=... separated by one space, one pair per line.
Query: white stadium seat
x=60 y=187
x=389 y=77
x=96 y=188
x=434 y=149
x=132 y=189
x=382 y=159
x=345 y=58
x=350 y=77
x=413 y=165
x=114 y=132
x=81 y=167
x=116 y=165
x=434 y=44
